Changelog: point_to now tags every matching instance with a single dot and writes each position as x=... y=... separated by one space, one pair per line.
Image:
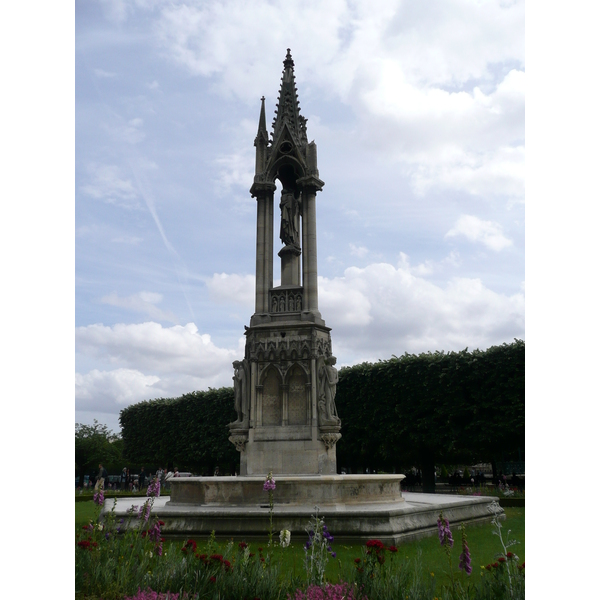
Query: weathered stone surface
x=391 y=521
x=287 y=378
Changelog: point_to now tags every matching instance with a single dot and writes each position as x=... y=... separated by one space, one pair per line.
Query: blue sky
x=418 y=112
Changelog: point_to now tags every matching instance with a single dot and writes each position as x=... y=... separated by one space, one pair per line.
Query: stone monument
x=285 y=385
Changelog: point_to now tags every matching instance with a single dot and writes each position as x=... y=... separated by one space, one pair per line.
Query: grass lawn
x=483 y=546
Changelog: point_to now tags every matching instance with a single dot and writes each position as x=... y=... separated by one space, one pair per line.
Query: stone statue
x=240 y=387
x=328 y=378
x=290 y=219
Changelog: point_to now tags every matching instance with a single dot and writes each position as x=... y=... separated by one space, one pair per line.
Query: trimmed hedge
x=426 y=409
x=456 y=407
x=189 y=432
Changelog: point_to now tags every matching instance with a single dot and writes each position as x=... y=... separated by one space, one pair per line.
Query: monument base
x=356 y=508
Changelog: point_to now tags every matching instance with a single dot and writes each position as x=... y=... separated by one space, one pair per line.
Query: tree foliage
x=96 y=444
x=421 y=409
x=189 y=432
x=413 y=410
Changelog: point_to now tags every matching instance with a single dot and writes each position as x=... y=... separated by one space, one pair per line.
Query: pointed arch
x=272 y=397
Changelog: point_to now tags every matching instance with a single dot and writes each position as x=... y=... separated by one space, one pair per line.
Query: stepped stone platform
x=355 y=507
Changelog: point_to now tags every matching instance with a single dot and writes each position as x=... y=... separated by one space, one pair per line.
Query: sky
x=418 y=112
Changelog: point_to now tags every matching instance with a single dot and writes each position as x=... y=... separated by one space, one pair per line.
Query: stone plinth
x=355 y=508
x=325 y=490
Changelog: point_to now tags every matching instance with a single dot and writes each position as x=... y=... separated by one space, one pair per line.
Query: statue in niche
x=327 y=377
x=241 y=379
x=289 y=231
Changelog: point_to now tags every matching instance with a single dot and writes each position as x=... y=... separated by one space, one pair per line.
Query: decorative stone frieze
x=286 y=300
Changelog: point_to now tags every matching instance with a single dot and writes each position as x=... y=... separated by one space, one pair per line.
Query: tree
x=95 y=444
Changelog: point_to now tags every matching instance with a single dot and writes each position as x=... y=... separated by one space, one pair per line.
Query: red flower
x=251 y=554
x=375 y=544
x=502 y=559
x=360 y=570
x=521 y=567
x=509 y=555
x=488 y=567
x=495 y=565
x=218 y=557
x=161 y=523
x=393 y=549
x=260 y=549
x=227 y=565
x=213 y=579
x=243 y=545
x=380 y=559
x=84 y=544
x=262 y=559
x=357 y=560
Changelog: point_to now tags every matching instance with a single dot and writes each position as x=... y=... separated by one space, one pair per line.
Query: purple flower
x=464 y=560
x=444 y=533
x=154 y=488
x=269 y=485
x=144 y=512
x=99 y=497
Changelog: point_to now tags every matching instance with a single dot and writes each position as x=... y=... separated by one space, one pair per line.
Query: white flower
x=284 y=538
x=100 y=527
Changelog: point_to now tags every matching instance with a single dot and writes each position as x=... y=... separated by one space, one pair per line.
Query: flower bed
x=114 y=562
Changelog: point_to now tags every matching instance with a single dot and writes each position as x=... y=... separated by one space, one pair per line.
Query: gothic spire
x=262 y=124
x=288 y=106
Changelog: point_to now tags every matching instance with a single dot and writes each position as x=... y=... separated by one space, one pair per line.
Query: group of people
x=134 y=483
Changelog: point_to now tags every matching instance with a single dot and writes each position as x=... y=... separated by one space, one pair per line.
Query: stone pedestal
x=286 y=432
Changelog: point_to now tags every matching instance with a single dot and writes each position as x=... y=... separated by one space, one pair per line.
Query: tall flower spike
x=464 y=560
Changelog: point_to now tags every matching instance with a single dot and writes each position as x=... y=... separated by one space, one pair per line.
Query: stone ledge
x=391 y=522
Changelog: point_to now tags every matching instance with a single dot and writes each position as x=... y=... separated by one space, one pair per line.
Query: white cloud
x=110 y=391
x=359 y=251
x=147 y=361
x=429 y=83
x=104 y=74
x=235 y=170
x=102 y=390
x=382 y=310
x=142 y=302
x=155 y=349
x=107 y=183
x=476 y=230
x=232 y=288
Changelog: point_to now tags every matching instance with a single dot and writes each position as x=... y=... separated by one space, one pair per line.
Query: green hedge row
x=455 y=407
x=189 y=432
x=422 y=410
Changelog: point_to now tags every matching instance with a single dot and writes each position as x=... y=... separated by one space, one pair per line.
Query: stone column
x=310 y=186
x=264 y=244
x=261 y=206
x=269 y=247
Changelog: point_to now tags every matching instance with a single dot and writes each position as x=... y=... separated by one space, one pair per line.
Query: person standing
x=142 y=479
x=123 y=479
x=102 y=475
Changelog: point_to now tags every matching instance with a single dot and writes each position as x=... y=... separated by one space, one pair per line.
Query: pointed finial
x=288 y=62
x=262 y=123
